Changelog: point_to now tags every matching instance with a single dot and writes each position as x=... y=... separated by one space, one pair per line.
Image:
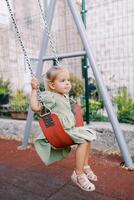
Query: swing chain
x=51 y=39
x=26 y=58
x=19 y=38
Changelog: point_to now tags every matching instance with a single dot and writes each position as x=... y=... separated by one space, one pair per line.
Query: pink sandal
x=90 y=175
x=83 y=182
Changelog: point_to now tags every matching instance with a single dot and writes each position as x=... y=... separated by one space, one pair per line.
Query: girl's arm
x=35 y=104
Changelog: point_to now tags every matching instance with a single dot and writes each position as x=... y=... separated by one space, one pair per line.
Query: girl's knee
x=86 y=143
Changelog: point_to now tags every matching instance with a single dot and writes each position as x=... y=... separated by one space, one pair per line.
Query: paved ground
x=24 y=177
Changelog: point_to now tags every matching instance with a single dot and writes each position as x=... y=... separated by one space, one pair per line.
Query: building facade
x=110 y=32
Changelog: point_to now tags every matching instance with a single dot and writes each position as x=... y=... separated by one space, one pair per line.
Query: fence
x=110 y=29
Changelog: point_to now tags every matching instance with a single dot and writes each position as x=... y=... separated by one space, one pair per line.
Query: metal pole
x=112 y=116
x=65 y=55
x=45 y=3
x=85 y=66
x=38 y=72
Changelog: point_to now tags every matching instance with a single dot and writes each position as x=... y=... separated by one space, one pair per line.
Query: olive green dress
x=61 y=106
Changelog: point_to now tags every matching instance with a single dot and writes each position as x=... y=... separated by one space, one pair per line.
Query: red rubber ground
x=24 y=177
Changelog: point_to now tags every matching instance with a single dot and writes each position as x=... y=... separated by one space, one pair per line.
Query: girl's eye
x=63 y=80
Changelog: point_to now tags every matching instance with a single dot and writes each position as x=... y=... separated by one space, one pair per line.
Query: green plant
x=98 y=117
x=4 y=86
x=125 y=106
x=42 y=87
x=77 y=86
x=36 y=116
x=94 y=107
x=19 y=102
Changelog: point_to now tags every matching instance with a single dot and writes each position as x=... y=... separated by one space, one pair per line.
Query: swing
x=53 y=130
x=78 y=115
x=49 y=122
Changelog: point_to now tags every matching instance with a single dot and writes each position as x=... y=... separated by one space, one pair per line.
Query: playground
x=23 y=176
x=59 y=92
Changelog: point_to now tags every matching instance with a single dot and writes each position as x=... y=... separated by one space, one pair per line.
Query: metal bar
x=111 y=113
x=85 y=65
x=38 y=72
x=65 y=55
x=45 y=3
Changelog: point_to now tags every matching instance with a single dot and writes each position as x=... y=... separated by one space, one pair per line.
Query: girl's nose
x=67 y=82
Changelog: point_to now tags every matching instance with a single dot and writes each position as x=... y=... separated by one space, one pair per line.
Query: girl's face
x=62 y=83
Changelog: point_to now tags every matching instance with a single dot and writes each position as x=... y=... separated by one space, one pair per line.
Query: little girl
x=55 y=98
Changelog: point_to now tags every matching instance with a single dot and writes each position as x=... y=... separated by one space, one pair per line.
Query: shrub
x=98 y=117
x=19 y=102
x=4 y=86
x=94 y=107
x=77 y=86
x=42 y=87
x=125 y=106
x=4 y=91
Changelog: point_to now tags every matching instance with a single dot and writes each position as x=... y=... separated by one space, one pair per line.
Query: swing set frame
x=107 y=102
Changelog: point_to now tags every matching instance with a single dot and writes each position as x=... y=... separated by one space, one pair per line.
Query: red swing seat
x=78 y=115
x=53 y=131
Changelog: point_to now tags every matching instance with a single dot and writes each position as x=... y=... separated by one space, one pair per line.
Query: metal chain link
x=27 y=60
x=51 y=39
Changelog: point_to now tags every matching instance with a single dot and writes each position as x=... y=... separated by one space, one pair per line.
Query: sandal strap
x=82 y=181
x=87 y=167
x=86 y=183
x=90 y=175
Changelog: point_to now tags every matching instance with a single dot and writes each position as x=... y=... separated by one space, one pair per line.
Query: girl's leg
x=91 y=176
x=81 y=153
x=86 y=162
x=78 y=176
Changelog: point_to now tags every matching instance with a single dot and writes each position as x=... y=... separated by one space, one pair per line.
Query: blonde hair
x=51 y=75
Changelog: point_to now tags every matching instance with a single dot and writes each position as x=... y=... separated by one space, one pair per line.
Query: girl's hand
x=34 y=83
